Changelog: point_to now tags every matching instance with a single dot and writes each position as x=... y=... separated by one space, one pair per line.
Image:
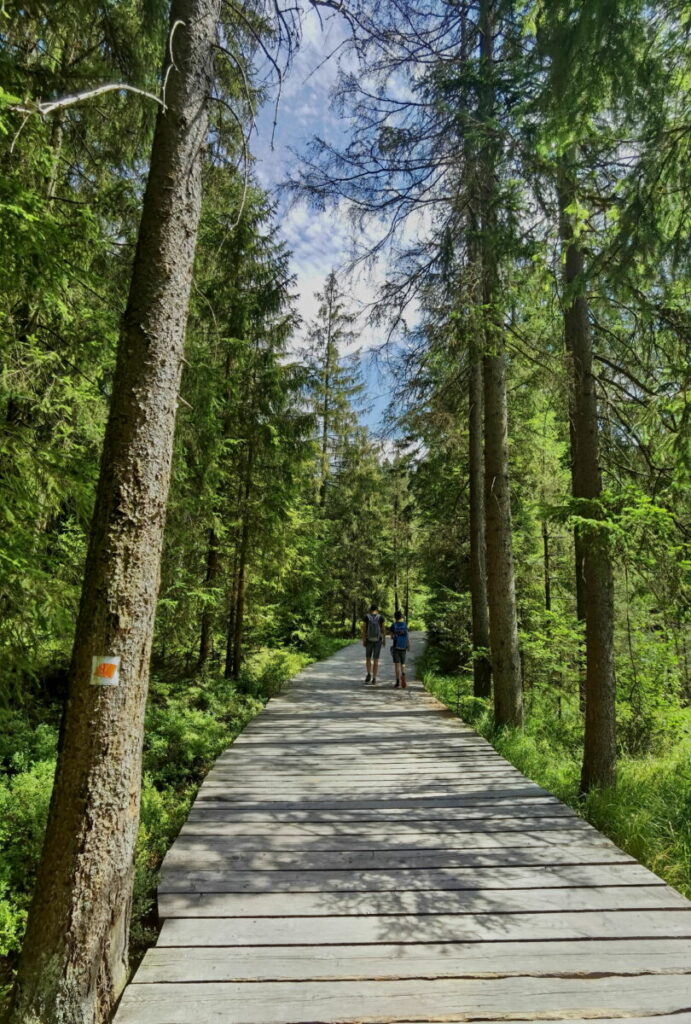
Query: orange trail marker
x=105 y=671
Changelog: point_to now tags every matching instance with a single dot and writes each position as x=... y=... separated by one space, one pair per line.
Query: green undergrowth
x=648 y=814
x=189 y=722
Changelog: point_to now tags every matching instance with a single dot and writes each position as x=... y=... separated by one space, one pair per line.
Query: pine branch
x=45 y=108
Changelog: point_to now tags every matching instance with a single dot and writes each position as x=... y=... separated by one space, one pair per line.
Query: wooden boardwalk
x=361 y=855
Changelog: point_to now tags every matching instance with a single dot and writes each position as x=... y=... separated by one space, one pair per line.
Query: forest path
x=360 y=854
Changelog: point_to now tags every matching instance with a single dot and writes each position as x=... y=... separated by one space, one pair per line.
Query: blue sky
x=319 y=241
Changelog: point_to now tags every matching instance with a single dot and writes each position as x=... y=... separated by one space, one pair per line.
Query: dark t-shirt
x=365 y=622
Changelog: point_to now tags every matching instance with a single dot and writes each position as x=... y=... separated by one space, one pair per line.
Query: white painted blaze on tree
x=105 y=670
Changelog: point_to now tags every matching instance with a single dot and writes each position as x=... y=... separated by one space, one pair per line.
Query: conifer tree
x=74 y=960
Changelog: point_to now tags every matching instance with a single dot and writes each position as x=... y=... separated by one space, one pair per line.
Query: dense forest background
x=526 y=167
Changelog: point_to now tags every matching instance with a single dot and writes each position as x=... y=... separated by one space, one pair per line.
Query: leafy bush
x=180 y=742
x=21 y=743
x=265 y=672
x=24 y=802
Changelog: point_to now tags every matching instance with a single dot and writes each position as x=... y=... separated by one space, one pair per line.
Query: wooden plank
x=413 y=879
x=356 y=837
x=377 y=808
x=382 y=781
x=210 y=851
x=516 y=856
x=235 y=757
x=463 y=809
x=307 y=831
x=372 y=789
x=345 y=802
x=239 y=931
x=406 y=1000
x=420 y=902
x=246 y=768
x=433 y=960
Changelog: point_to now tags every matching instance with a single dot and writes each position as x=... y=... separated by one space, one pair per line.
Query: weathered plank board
x=385 y=806
x=376 y=838
x=479 y=927
x=500 y=856
x=431 y=960
x=462 y=809
x=383 y=1000
x=495 y=811
x=412 y=879
x=426 y=901
x=212 y=851
x=362 y=856
x=310 y=830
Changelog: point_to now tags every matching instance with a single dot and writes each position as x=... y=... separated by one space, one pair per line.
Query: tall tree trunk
x=501 y=594
x=74 y=961
x=232 y=609
x=213 y=556
x=482 y=672
x=243 y=551
x=546 y=567
x=326 y=408
x=599 y=754
x=238 y=625
x=212 y=570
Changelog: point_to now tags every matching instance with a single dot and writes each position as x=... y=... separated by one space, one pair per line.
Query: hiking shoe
x=403 y=683
x=368 y=677
x=374 y=680
x=396 y=685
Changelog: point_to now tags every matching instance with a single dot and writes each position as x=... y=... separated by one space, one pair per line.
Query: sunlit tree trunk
x=482 y=672
x=74 y=962
x=599 y=755
x=212 y=571
x=501 y=594
x=243 y=554
x=546 y=571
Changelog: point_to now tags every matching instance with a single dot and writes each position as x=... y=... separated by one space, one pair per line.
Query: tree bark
x=241 y=594
x=501 y=594
x=599 y=754
x=232 y=608
x=241 y=585
x=326 y=383
x=212 y=570
x=546 y=567
x=74 y=962
x=482 y=671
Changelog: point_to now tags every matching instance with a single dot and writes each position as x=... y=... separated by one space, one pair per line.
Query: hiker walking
x=400 y=645
x=372 y=639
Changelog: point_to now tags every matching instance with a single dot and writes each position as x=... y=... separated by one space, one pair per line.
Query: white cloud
x=321 y=241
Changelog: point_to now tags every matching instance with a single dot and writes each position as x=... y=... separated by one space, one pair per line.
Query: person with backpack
x=372 y=640
x=400 y=645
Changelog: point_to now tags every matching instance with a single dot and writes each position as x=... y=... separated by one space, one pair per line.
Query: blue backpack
x=400 y=635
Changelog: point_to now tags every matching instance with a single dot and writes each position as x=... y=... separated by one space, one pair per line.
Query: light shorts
x=398 y=656
x=373 y=649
